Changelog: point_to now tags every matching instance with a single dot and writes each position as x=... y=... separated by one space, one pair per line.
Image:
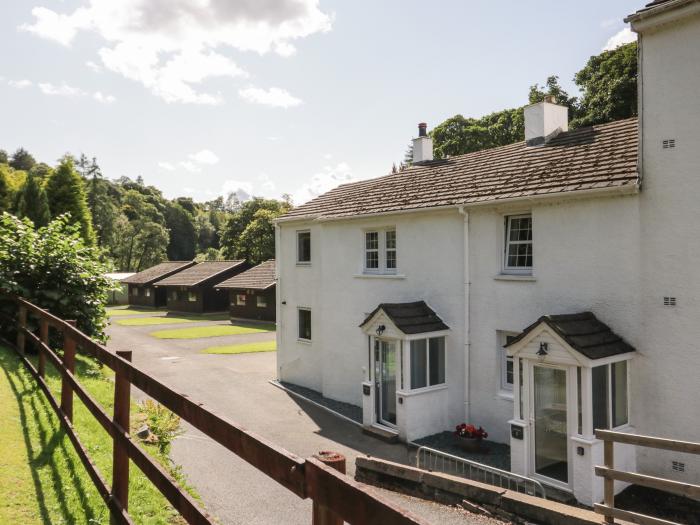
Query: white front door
x=385 y=366
x=549 y=417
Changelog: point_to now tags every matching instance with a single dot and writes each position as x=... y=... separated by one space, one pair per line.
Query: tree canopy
x=32 y=202
x=22 y=160
x=65 y=190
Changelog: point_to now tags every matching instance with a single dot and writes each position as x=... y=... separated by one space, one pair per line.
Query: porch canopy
x=408 y=318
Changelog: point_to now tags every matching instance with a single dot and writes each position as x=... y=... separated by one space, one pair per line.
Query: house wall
x=141 y=299
x=430 y=267
x=665 y=388
x=177 y=304
x=251 y=310
x=208 y=299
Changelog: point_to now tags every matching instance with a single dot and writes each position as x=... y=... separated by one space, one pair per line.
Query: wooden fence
x=610 y=474
x=336 y=497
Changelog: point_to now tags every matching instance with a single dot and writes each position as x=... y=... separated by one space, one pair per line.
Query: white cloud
x=173 y=46
x=94 y=66
x=274 y=97
x=241 y=189
x=64 y=90
x=321 y=182
x=204 y=157
x=166 y=166
x=622 y=37
x=20 y=84
x=190 y=166
x=104 y=99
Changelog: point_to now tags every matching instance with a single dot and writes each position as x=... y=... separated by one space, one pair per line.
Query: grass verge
x=42 y=480
x=246 y=348
x=197 y=332
x=171 y=319
x=116 y=311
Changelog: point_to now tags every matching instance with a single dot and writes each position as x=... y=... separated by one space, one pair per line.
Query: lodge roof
x=260 y=277
x=411 y=318
x=596 y=157
x=157 y=272
x=199 y=273
x=584 y=333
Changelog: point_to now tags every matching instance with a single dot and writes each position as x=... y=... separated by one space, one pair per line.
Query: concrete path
x=236 y=386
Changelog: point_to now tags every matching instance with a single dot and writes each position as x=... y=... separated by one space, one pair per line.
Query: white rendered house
x=540 y=290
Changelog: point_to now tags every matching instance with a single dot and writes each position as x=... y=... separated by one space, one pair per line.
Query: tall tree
x=257 y=241
x=32 y=202
x=3 y=156
x=4 y=192
x=22 y=160
x=66 y=193
x=608 y=84
x=183 y=237
x=231 y=247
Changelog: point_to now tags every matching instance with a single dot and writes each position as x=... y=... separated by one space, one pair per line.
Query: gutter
x=467 y=337
x=627 y=189
x=662 y=14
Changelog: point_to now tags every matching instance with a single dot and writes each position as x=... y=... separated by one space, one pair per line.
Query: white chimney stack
x=422 y=145
x=544 y=121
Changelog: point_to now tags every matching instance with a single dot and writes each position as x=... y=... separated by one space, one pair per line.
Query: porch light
x=380 y=330
x=544 y=349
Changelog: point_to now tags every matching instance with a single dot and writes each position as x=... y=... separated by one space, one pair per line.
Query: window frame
x=258 y=299
x=299 y=335
x=611 y=395
x=238 y=298
x=517 y=270
x=192 y=296
x=409 y=375
x=381 y=250
x=503 y=337
x=299 y=261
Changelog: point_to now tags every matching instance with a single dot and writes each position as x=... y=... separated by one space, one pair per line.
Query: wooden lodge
x=192 y=290
x=252 y=293
x=141 y=289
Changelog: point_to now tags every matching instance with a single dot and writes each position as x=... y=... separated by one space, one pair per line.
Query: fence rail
x=338 y=497
x=431 y=459
x=610 y=474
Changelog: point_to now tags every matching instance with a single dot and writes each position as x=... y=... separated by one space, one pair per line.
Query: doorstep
x=382 y=433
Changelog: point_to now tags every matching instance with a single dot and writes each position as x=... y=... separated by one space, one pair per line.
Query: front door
x=549 y=414
x=385 y=381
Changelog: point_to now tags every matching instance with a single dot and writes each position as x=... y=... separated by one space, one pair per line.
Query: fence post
x=21 y=325
x=68 y=366
x=44 y=336
x=120 y=463
x=323 y=515
x=608 y=483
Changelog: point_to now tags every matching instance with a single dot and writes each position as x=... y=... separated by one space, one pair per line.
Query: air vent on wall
x=678 y=466
x=669 y=143
x=669 y=301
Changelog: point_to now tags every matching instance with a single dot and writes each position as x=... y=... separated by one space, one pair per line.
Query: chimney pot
x=551 y=99
x=422 y=129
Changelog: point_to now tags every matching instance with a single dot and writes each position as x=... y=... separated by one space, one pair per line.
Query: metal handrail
x=484 y=473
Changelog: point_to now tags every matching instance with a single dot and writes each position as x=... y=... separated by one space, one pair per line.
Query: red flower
x=470 y=431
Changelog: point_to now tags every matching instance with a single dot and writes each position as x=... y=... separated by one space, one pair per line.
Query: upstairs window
x=380 y=251
x=304 y=247
x=518 y=249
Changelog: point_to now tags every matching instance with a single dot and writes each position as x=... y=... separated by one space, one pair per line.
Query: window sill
x=420 y=391
x=515 y=277
x=303 y=264
x=505 y=394
x=304 y=341
x=379 y=276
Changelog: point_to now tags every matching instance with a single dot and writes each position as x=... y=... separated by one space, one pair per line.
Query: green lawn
x=174 y=319
x=116 y=311
x=197 y=332
x=42 y=480
x=245 y=348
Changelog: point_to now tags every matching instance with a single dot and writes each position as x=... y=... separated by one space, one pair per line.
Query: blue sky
x=264 y=97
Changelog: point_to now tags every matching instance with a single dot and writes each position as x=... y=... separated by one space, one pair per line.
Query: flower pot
x=468 y=444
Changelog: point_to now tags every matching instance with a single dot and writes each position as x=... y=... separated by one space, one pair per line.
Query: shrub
x=164 y=426
x=53 y=268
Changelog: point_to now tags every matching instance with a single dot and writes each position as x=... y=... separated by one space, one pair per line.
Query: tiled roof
x=260 y=277
x=411 y=318
x=584 y=333
x=603 y=156
x=159 y=271
x=199 y=273
x=648 y=7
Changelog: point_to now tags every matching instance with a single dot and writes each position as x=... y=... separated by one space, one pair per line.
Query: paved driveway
x=236 y=386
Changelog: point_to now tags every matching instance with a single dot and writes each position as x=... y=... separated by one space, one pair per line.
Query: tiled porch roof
x=411 y=318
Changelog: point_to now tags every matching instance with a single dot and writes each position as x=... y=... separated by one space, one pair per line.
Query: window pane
x=519 y=242
x=391 y=259
x=437 y=360
x=240 y=299
x=619 y=393
x=372 y=260
x=304 y=324
x=600 y=397
x=261 y=301
x=192 y=297
x=418 y=364
x=304 y=246
x=391 y=240
x=372 y=240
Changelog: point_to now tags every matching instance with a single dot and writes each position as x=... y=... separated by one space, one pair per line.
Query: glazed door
x=549 y=409
x=385 y=381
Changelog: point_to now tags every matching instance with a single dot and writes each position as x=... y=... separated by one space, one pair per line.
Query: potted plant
x=468 y=437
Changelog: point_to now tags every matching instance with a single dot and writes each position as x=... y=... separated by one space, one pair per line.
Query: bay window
x=427 y=362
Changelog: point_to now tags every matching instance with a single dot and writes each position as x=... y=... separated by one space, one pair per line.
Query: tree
x=4 y=192
x=608 y=84
x=553 y=89
x=183 y=237
x=66 y=193
x=22 y=160
x=32 y=202
x=230 y=239
x=3 y=156
x=54 y=268
x=257 y=241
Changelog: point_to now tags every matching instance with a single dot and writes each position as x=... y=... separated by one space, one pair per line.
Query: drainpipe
x=467 y=340
x=278 y=294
